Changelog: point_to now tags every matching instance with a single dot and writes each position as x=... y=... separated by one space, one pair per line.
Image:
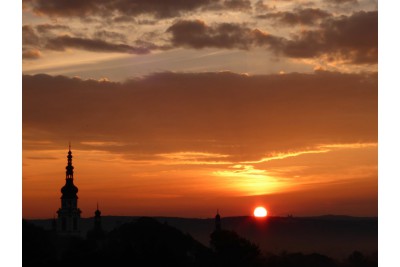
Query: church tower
x=217 y=222
x=97 y=220
x=69 y=215
x=97 y=232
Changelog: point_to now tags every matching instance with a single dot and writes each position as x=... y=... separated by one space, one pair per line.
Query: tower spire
x=69 y=168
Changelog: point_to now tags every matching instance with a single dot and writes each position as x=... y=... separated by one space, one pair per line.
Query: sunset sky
x=180 y=108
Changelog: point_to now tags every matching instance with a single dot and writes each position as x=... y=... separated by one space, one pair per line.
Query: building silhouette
x=97 y=219
x=69 y=214
x=97 y=232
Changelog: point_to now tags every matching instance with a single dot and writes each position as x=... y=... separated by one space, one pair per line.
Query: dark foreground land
x=243 y=241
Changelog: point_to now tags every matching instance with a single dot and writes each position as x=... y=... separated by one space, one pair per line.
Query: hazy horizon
x=228 y=217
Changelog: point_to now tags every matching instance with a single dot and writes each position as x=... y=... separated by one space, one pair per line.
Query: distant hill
x=332 y=235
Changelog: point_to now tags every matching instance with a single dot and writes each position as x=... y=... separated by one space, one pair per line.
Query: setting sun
x=260 y=212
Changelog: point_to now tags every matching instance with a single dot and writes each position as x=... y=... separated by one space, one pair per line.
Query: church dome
x=69 y=190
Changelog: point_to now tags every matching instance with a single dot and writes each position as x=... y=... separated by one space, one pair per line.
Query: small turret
x=217 y=222
x=97 y=219
x=97 y=232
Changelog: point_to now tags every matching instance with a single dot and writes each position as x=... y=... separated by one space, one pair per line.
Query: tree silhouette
x=233 y=250
x=357 y=259
x=38 y=246
x=147 y=242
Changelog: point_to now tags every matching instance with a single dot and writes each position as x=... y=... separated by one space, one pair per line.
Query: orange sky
x=159 y=146
x=181 y=111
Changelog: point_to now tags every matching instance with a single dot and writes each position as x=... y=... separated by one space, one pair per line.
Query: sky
x=180 y=108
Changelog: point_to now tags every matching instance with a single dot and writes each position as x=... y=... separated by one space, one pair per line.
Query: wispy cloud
x=307 y=16
x=325 y=148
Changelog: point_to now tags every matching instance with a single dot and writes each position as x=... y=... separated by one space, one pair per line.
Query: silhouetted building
x=97 y=231
x=69 y=215
x=217 y=222
x=97 y=219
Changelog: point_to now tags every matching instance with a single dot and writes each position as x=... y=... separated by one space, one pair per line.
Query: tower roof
x=97 y=213
x=69 y=190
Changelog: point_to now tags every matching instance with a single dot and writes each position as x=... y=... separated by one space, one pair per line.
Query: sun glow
x=260 y=212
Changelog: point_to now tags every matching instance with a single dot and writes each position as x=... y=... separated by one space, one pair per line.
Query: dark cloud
x=29 y=36
x=343 y=1
x=123 y=19
x=30 y=43
x=158 y=8
x=44 y=28
x=102 y=41
x=63 y=42
x=42 y=158
x=65 y=7
x=197 y=34
x=308 y=16
x=31 y=54
x=242 y=116
x=237 y=4
x=110 y=35
x=260 y=7
x=353 y=39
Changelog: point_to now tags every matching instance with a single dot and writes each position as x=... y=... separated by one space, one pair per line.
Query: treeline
x=147 y=242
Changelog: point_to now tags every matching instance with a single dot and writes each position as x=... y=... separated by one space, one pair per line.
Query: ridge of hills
x=332 y=235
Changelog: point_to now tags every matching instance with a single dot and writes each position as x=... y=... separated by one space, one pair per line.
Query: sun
x=260 y=212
